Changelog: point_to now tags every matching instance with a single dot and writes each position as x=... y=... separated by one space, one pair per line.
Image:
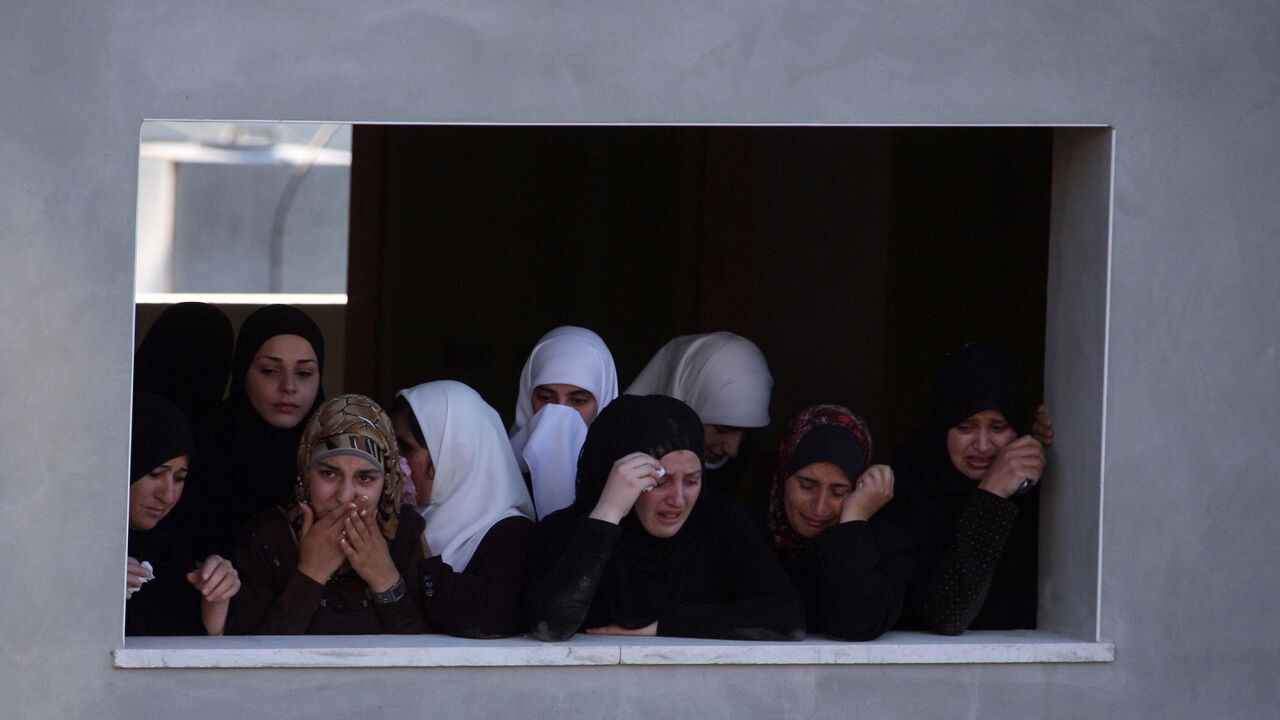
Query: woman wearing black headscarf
x=644 y=550
x=967 y=491
x=850 y=565
x=167 y=592
x=186 y=358
x=246 y=459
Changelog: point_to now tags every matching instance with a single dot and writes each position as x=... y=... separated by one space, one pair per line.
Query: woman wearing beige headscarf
x=343 y=556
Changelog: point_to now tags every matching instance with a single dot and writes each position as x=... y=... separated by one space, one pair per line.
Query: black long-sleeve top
x=483 y=601
x=976 y=553
x=167 y=604
x=853 y=577
x=727 y=586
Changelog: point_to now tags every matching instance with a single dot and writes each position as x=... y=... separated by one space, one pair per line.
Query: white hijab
x=477 y=483
x=547 y=443
x=722 y=376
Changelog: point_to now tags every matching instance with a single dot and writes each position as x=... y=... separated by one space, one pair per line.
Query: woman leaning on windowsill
x=968 y=491
x=342 y=558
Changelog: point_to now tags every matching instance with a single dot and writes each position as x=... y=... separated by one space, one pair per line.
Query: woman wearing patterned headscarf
x=850 y=566
x=478 y=514
x=645 y=551
x=336 y=558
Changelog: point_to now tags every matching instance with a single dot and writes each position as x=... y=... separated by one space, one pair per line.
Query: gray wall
x=224 y=218
x=1189 y=572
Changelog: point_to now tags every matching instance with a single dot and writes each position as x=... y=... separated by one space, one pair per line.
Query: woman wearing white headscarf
x=725 y=379
x=568 y=378
x=477 y=511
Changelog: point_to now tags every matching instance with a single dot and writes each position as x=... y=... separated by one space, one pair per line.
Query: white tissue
x=151 y=575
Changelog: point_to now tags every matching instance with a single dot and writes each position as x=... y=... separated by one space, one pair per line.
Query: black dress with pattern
x=976 y=553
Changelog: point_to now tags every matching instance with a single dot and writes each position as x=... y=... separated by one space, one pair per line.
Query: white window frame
x=1070 y=593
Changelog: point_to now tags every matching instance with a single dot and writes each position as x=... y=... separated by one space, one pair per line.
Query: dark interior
x=854 y=257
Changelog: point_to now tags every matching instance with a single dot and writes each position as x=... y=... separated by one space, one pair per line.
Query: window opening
x=712 y=243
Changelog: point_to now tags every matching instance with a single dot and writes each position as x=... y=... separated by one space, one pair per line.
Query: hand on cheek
x=631 y=475
x=1020 y=461
x=872 y=491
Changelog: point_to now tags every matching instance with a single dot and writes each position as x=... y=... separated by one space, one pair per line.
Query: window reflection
x=243 y=208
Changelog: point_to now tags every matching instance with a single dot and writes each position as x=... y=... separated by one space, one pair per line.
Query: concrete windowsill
x=324 y=651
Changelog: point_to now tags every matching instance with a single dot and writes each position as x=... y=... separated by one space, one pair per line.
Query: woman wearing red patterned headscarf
x=851 y=567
